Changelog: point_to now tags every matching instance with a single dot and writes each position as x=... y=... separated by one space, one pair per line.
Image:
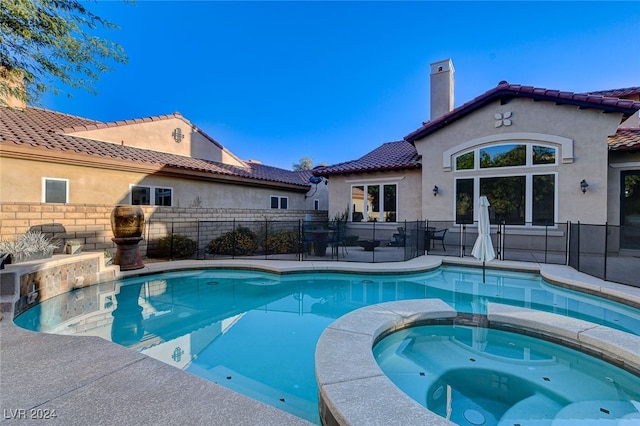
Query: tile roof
x=400 y=155
x=43 y=129
x=505 y=90
x=618 y=93
x=627 y=139
x=100 y=125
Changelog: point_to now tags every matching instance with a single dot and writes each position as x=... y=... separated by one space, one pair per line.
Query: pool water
x=480 y=376
x=255 y=332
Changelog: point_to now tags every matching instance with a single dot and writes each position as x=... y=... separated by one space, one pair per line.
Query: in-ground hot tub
x=481 y=376
x=469 y=376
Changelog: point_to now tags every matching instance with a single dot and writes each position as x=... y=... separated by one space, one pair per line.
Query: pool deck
x=88 y=380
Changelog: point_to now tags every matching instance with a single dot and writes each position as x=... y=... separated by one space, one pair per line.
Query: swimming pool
x=255 y=332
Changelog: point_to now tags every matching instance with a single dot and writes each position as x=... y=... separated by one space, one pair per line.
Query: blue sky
x=278 y=81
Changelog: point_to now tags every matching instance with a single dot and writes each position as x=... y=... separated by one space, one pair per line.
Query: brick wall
x=90 y=224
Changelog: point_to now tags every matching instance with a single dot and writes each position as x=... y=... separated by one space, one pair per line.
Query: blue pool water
x=256 y=332
x=478 y=376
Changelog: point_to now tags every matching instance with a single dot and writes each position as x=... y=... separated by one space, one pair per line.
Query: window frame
x=365 y=207
x=152 y=194
x=528 y=201
x=529 y=156
x=279 y=199
x=45 y=179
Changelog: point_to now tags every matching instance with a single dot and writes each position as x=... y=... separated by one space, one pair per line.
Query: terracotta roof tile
x=627 y=139
x=505 y=90
x=400 y=155
x=619 y=93
x=42 y=129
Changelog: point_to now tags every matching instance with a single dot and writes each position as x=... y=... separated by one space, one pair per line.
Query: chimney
x=9 y=84
x=441 y=88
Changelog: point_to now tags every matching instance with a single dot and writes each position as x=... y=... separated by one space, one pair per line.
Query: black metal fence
x=593 y=249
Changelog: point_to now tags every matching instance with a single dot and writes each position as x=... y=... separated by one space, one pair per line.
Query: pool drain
x=474 y=417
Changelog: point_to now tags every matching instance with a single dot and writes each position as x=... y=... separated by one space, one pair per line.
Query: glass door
x=630 y=210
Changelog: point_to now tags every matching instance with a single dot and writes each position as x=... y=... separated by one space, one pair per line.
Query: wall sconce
x=435 y=190
x=584 y=186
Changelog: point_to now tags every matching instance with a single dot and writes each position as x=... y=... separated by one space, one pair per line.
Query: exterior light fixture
x=584 y=186
x=435 y=190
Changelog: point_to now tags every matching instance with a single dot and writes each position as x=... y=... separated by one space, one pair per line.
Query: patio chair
x=339 y=240
x=399 y=239
x=434 y=235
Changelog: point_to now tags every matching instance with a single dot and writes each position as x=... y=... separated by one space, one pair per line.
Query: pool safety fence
x=603 y=251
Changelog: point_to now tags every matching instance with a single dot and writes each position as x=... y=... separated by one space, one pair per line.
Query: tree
x=304 y=164
x=44 y=42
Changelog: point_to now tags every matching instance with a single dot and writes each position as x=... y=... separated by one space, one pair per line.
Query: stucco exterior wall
x=409 y=189
x=22 y=181
x=580 y=135
x=158 y=136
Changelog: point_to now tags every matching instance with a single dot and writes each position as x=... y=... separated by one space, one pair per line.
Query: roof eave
x=505 y=94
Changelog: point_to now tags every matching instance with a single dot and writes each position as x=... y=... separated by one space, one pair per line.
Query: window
x=279 y=202
x=55 y=190
x=151 y=196
x=374 y=203
x=316 y=204
x=506 y=155
x=516 y=199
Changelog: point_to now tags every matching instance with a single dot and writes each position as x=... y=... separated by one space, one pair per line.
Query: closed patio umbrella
x=483 y=247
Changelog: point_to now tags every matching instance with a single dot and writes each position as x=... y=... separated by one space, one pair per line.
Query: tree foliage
x=305 y=163
x=47 y=42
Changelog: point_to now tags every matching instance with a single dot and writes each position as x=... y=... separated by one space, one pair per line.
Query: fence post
x=233 y=247
x=578 y=249
x=546 y=239
x=266 y=237
x=300 y=242
x=373 y=238
x=606 y=243
x=171 y=244
x=567 y=245
x=198 y=240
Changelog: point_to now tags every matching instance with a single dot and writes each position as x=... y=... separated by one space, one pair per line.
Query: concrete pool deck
x=90 y=380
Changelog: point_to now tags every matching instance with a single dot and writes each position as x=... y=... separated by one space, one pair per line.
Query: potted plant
x=32 y=245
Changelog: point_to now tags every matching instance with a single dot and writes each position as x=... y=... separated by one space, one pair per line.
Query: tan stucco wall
x=157 y=136
x=21 y=181
x=409 y=189
x=532 y=121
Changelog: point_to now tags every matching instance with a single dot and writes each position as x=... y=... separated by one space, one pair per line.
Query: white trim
x=379 y=183
x=44 y=188
x=635 y=164
x=279 y=198
x=152 y=194
x=565 y=143
x=390 y=179
x=528 y=211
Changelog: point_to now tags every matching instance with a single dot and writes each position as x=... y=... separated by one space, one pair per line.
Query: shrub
x=281 y=242
x=241 y=241
x=182 y=246
x=30 y=245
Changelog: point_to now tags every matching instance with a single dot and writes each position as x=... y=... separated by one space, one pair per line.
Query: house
x=70 y=171
x=542 y=157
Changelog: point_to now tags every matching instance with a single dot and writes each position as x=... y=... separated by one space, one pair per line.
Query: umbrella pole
x=483 y=273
